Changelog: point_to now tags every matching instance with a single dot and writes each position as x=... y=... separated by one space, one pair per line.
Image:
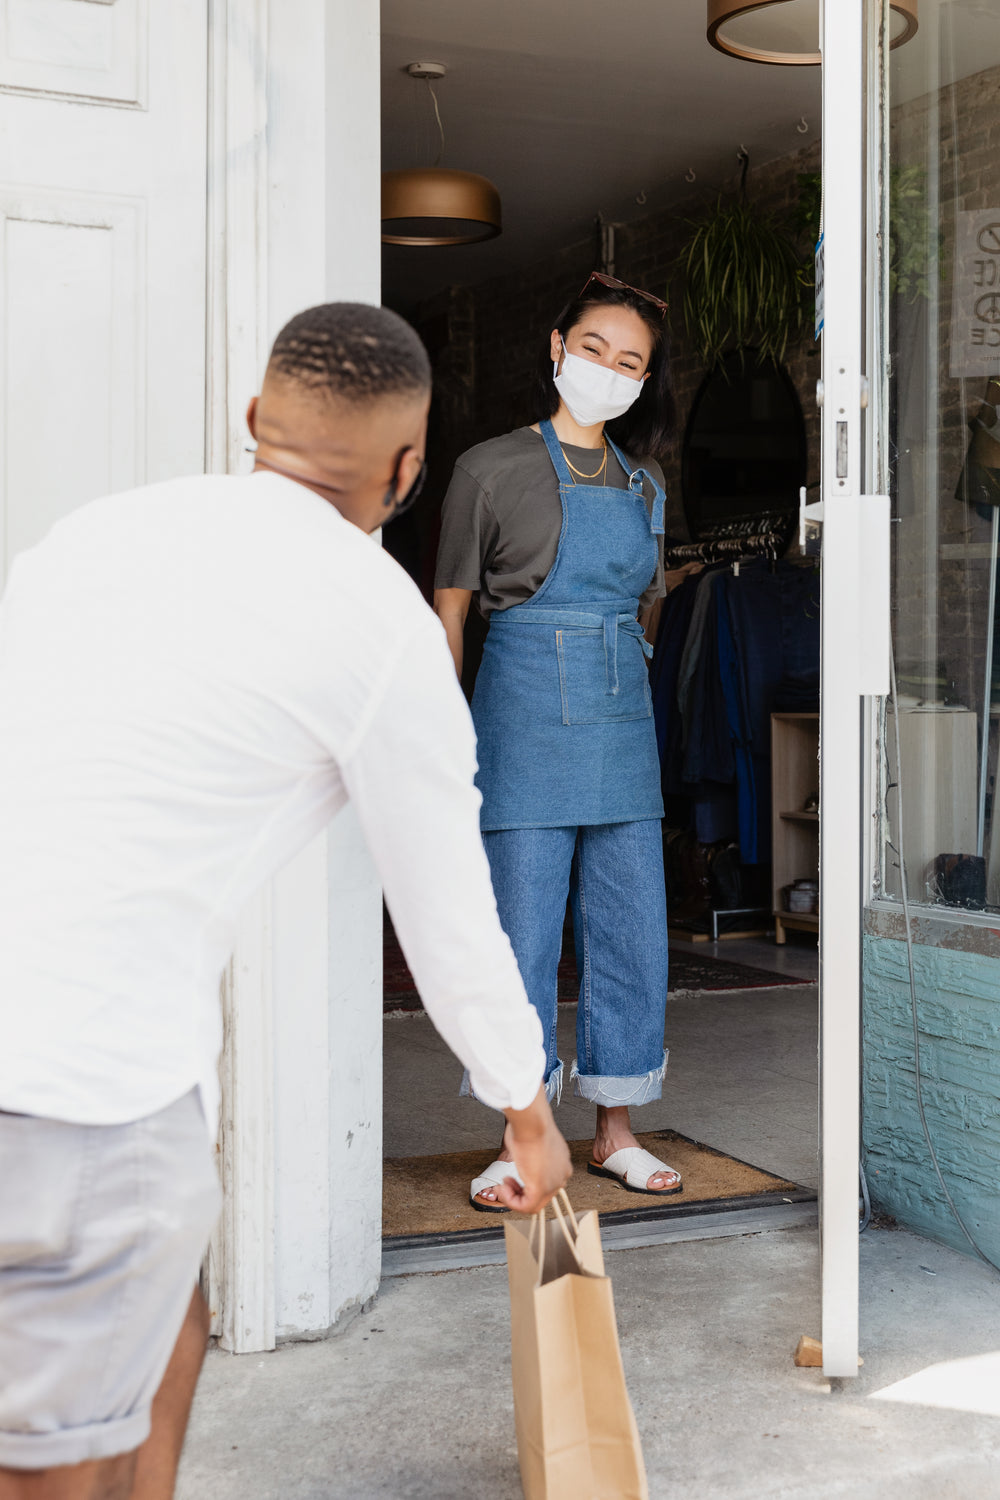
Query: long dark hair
x=646 y=430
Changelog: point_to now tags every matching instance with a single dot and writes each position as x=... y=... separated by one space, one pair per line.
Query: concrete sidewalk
x=412 y=1402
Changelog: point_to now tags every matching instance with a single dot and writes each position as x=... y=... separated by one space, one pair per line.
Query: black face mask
x=410 y=498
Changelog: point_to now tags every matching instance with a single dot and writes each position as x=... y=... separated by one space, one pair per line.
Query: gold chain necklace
x=599 y=470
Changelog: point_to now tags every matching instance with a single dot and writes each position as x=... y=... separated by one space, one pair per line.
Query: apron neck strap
x=635 y=476
x=556 y=454
x=635 y=480
x=625 y=462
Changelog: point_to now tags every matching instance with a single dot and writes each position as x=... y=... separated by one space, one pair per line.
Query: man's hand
x=541 y=1154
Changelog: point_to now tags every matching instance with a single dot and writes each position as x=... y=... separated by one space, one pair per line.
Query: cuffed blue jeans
x=613 y=875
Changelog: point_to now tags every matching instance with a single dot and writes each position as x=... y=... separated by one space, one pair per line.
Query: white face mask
x=592 y=392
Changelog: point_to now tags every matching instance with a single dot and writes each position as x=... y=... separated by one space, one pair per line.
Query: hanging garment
x=675 y=621
x=562 y=705
x=708 y=750
x=730 y=652
x=734 y=694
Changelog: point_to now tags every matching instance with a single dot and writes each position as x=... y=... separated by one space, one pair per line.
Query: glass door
x=855 y=623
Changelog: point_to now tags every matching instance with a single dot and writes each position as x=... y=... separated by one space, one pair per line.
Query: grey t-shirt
x=501 y=519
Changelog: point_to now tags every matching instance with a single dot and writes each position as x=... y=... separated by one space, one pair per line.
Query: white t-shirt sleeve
x=410 y=775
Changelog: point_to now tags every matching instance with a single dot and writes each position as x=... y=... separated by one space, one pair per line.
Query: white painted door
x=102 y=196
x=855 y=633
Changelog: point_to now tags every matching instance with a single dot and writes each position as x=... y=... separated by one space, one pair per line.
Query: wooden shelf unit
x=794 y=833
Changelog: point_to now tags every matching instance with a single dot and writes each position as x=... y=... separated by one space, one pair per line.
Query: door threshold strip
x=409 y=1255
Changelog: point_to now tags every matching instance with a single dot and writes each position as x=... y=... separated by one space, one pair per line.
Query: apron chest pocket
x=588 y=677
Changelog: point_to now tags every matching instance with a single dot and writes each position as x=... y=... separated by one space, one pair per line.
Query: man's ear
x=409 y=468
x=252 y=417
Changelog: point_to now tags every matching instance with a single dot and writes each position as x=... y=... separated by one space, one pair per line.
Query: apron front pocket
x=598 y=685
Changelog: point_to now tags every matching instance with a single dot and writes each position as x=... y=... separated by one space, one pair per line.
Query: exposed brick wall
x=959 y=1056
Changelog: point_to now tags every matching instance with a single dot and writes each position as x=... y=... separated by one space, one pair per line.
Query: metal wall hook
x=641 y=197
x=743 y=157
x=690 y=175
x=803 y=126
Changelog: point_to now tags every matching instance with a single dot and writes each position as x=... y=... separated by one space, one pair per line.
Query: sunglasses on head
x=622 y=286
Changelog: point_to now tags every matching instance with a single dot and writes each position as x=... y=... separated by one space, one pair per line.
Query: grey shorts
x=102 y=1229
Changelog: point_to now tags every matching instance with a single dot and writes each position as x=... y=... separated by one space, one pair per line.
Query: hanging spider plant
x=742 y=283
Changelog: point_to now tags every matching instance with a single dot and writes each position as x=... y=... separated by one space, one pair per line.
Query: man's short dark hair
x=351 y=351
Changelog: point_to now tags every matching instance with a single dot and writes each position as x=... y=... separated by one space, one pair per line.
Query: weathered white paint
x=325 y=245
x=303 y=1082
x=241 y=1255
x=356 y=1071
x=100 y=52
x=103 y=249
x=242 y=1252
x=353 y=151
x=301 y=169
x=353 y=271
x=73 y=326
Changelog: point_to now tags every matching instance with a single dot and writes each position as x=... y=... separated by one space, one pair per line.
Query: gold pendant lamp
x=437 y=205
x=786 y=31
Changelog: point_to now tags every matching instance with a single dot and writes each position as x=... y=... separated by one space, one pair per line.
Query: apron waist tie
x=578 y=619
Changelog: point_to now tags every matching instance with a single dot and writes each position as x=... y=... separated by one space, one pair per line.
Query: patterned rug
x=688 y=975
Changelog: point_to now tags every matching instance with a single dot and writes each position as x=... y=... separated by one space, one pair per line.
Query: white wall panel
x=77 y=49
x=71 y=357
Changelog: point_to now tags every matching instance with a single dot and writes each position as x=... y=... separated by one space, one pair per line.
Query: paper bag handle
x=561 y=1217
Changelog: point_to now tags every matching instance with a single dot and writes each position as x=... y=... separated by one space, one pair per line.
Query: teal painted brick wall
x=958 y=998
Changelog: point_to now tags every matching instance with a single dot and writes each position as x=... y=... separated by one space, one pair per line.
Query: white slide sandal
x=632 y=1167
x=494 y=1176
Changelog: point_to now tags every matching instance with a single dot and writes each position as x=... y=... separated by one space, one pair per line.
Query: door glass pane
x=944 y=454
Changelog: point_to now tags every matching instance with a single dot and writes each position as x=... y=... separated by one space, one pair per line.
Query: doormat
x=688 y=975
x=430 y=1194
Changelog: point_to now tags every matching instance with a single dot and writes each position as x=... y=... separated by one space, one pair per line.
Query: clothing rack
x=730 y=652
x=764 y=534
x=769 y=544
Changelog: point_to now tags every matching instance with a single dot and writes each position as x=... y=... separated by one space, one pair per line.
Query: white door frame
x=241 y=1253
x=294 y=220
x=855 y=636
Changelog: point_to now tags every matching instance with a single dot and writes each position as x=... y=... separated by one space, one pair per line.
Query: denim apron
x=562 y=705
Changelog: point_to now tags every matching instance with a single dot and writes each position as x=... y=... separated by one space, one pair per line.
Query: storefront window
x=943 y=190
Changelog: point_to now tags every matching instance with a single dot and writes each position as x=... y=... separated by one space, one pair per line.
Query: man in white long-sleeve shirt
x=194 y=678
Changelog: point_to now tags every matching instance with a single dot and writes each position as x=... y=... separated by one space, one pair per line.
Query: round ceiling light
x=438 y=206
x=785 y=31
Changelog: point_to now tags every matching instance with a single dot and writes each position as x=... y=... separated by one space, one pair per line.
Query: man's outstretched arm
x=410 y=776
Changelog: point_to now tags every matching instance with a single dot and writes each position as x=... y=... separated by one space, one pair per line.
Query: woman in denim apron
x=568 y=764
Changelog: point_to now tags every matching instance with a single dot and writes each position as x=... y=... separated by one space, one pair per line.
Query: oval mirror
x=744 y=454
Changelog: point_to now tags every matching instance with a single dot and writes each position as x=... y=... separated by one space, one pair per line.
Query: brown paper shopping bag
x=576 y=1433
